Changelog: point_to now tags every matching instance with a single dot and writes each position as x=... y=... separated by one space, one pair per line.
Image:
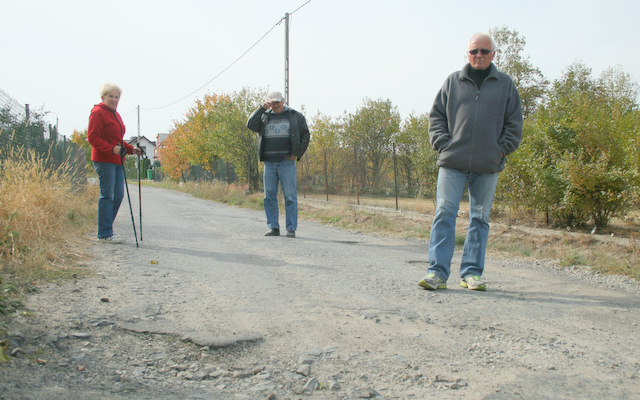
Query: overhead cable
x=230 y=65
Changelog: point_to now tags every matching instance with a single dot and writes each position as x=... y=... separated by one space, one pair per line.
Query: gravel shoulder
x=209 y=308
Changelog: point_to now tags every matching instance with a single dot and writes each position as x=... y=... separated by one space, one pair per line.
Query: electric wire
x=15 y=108
x=230 y=65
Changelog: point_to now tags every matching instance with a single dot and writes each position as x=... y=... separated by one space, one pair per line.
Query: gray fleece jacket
x=474 y=129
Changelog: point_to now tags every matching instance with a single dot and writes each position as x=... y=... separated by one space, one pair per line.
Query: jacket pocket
x=503 y=161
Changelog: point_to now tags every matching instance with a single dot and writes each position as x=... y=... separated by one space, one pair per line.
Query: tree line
x=578 y=162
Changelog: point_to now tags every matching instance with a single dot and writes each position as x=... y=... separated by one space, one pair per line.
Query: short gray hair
x=108 y=87
x=484 y=34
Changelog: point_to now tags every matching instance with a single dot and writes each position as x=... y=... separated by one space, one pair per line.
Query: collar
x=464 y=73
x=106 y=107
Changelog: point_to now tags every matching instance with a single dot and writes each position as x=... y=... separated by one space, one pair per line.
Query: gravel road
x=209 y=308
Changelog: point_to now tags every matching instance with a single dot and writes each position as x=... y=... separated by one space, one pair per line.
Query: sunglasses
x=483 y=51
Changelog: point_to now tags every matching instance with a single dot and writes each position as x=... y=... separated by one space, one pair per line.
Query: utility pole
x=139 y=168
x=395 y=173
x=138 y=124
x=286 y=59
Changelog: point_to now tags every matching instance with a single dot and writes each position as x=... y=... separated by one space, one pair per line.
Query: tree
x=215 y=129
x=325 y=146
x=372 y=130
x=575 y=161
x=238 y=144
x=202 y=130
x=417 y=158
x=529 y=81
x=80 y=139
x=175 y=163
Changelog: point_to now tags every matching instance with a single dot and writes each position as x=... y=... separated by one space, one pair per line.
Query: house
x=147 y=146
x=159 y=139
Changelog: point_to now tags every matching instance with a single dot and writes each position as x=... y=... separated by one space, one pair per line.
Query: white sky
x=56 y=54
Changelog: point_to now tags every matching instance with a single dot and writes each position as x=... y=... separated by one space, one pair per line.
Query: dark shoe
x=291 y=233
x=273 y=232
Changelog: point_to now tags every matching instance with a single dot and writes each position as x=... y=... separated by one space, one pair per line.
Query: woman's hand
x=137 y=151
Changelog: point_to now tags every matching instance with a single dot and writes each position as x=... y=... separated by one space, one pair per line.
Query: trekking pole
x=140 y=189
x=123 y=152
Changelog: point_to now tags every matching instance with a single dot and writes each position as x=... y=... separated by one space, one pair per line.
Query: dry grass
x=41 y=212
x=513 y=233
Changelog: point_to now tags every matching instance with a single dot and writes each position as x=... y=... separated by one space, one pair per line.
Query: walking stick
x=140 y=190
x=123 y=152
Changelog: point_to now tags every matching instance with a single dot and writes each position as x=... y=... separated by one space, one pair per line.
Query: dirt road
x=209 y=308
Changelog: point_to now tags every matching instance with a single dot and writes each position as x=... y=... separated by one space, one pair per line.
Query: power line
x=230 y=65
x=309 y=1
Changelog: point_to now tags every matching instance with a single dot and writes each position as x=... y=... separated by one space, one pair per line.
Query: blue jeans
x=451 y=184
x=283 y=173
x=111 y=194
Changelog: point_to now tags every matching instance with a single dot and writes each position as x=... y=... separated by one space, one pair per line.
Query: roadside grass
x=610 y=255
x=41 y=215
x=513 y=233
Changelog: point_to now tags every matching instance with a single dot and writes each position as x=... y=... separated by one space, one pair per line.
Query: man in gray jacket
x=474 y=124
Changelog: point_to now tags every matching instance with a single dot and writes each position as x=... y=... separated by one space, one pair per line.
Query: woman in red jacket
x=106 y=137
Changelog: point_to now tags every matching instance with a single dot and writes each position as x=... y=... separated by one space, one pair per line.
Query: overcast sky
x=56 y=54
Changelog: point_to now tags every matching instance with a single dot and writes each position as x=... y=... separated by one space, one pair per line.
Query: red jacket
x=106 y=130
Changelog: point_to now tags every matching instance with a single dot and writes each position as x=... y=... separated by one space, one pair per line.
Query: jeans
x=111 y=194
x=284 y=173
x=451 y=184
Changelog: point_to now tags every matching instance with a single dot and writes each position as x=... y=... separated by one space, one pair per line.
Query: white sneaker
x=110 y=239
x=473 y=283
x=432 y=282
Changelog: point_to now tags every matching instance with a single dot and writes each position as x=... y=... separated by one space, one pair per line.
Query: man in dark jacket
x=283 y=137
x=475 y=122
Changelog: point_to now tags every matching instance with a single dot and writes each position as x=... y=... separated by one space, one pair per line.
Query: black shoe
x=273 y=232
x=291 y=234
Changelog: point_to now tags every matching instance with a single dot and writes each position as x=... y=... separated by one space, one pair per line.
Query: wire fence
x=11 y=105
x=20 y=129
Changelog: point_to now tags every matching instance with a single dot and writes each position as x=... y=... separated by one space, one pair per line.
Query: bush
x=574 y=162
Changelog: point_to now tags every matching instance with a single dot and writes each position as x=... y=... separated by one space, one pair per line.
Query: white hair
x=487 y=35
x=108 y=87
